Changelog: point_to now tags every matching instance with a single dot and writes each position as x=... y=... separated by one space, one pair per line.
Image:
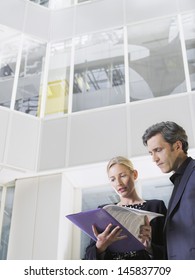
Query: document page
x=130 y=218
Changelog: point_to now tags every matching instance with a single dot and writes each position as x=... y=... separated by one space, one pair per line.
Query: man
x=167 y=143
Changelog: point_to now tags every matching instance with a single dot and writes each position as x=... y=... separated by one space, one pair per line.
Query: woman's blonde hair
x=120 y=160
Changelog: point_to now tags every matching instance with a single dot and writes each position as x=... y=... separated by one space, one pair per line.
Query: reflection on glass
x=99 y=70
x=188 y=22
x=29 y=83
x=92 y=198
x=60 y=4
x=9 y=47
x=6 y=222
x=41 y=2
x=1 y=190
x=58 y=78
x=155 y=59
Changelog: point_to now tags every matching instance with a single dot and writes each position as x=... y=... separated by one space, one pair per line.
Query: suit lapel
x=181 y=188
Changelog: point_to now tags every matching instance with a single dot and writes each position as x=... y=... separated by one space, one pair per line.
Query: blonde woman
x=122 y=176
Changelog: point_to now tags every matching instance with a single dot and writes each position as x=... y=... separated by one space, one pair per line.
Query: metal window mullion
x=70 y=99
x=45 y=81
x=126 y=64
x=184 y=54
x=71 y=78
x=3 y=198
x=17 y=72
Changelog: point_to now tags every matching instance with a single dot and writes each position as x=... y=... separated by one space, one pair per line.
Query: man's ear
x=178 y=145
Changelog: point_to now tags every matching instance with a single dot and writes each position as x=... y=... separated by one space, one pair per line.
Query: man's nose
x=155 y=158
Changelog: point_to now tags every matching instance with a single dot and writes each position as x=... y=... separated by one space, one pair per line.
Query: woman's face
x=122 y=179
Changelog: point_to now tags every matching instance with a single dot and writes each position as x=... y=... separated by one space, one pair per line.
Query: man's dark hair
x=170 y=131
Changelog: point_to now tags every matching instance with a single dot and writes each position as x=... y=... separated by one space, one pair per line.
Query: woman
x=122 y=176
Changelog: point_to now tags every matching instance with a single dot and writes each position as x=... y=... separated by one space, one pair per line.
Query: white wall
x=39 y=229
x=30 y=144
x=97 y=135
x=19 y=137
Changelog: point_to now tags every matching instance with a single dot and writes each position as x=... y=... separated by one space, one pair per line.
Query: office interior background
x=80 y=81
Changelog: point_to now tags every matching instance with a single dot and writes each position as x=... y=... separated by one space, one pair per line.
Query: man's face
x=166 y=156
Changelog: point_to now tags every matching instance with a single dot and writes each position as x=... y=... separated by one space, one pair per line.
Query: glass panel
x=6 y=222
x=82 y=1
x=99 y=70
x=155 y=59
x=9 y=47
x=41 y=2
x=188 y=21
x=1 y=190
x=60 y=4
x=29 y=83
x=58 y=78
x=91 y=199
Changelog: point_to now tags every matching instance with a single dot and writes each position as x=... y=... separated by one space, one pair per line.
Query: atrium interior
x=79 y=84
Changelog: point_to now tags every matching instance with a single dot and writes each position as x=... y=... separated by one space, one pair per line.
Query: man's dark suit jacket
x=180 y=219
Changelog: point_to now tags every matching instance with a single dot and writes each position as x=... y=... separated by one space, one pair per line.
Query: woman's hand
x=146 y=233
x=107 y=237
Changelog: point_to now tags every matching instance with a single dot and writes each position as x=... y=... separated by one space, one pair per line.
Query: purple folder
x=101 y=218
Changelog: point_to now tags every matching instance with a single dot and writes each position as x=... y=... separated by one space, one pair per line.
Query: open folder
x=101 y=218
